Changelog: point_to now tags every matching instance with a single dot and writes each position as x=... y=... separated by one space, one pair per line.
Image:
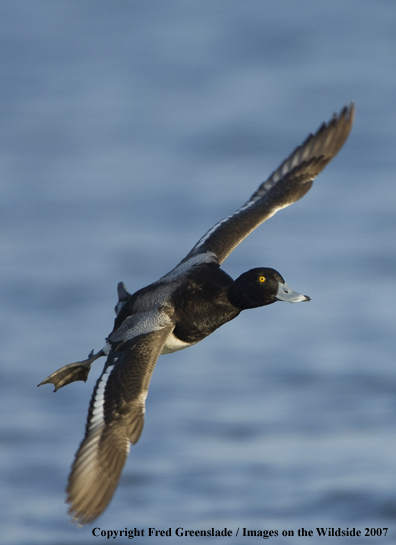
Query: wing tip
x=344 y=118
x=348 y=112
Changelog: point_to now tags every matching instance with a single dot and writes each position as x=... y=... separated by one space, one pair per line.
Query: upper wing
x=115 y=418
x=286 y=185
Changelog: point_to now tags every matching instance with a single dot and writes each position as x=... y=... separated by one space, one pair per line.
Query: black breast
x=201 y=303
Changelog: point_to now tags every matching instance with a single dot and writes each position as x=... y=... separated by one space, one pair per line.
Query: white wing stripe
x=97 y=418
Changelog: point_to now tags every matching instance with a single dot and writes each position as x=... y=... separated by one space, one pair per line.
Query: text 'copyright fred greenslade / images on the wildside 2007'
x=244 y=532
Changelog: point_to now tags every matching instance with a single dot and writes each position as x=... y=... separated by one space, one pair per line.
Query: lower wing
x=115 y=419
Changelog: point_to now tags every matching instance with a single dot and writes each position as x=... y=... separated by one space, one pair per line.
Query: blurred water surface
x=127 y=130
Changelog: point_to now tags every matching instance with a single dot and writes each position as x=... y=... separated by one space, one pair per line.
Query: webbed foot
x=72 y=372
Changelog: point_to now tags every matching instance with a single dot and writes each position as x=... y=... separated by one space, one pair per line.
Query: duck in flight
x=179 y=310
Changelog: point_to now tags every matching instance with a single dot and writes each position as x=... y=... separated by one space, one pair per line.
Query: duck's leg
x=72 y=372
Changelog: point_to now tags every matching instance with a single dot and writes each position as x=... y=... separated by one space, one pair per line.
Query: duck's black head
x=259 y=287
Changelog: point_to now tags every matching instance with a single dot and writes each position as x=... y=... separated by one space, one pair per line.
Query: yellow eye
x=262 y=279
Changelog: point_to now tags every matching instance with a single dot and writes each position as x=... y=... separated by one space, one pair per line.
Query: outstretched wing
x=115 y=419
x=287 y=184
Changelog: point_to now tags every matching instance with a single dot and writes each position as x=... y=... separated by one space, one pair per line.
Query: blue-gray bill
x=289 y=296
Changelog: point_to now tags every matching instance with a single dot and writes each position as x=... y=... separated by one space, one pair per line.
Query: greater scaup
x=180 y=309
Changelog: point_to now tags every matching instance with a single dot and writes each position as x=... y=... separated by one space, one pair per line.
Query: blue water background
x=127 y=129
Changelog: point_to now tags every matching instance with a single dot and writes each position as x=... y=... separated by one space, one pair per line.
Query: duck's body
x=179 y=310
